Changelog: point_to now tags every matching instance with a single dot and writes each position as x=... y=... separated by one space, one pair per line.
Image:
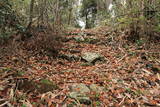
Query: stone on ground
x=96 y=88
x=81 y=88
x=80 y=92
x=91 y=57
x=79 y=39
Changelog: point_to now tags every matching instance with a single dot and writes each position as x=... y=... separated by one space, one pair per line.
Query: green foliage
x=139 y=42
x=4 y=36
x=139 y=18
x=8 y=20
x=45 y=81
x=157 y=28
x=24 y=105
x=5 y=11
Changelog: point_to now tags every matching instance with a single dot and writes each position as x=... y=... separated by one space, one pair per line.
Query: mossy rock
x=80 y=88
x=21 y=73
x=96 y=88
x=45 y=81
x=5 y=69
x=91 y=57
x=91 y=40
x=71 y=105
x=46 y=86
x=42 y=87
x=79 y=39
x=81 y=97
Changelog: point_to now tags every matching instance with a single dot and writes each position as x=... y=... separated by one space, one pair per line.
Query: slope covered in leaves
x=129 y=73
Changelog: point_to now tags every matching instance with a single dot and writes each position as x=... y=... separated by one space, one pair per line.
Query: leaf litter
x=130 y=75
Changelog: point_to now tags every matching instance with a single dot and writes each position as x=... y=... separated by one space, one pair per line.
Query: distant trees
x=9 y=21
x=89 y=11
x=31 y=13
x=139 y=17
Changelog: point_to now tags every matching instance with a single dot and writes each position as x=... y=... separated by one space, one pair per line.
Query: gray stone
x=80 y=92
x=91 y=57
x=42 y=86
x=92 y=40
x=96 y=88
x=80 y=88
x=66 y=39
x=74 y=51
x=79 y=39
x=82 y=98
x=82 y=34
x=75 y=95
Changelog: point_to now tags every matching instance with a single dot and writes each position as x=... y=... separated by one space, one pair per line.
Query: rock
x=90 y=34
x=70 y=57
x=71 y=104
x=66 y=39
x=156 y=69
x=96 y=88
x=83 y=99
x=73 y=95
x=20 y=73
x=46 y=85
x=83 y=34
x=63 y=39
x=92 y=40
x=79 y=39
x=80 y=88
x=80 y=92
x=43 y=86
x=74 y=51
x=91 y=57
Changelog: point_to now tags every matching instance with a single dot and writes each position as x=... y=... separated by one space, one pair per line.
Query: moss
x=46 y=86
x=42 y=87
x=45 y=81
x=20 y=73
x=91 y=40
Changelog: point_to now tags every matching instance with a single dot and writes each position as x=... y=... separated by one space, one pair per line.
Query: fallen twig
x=121 y=58
x=122 y=101
x=2 y=105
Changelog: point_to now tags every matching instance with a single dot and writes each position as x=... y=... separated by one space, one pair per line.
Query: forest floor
x=128 y=74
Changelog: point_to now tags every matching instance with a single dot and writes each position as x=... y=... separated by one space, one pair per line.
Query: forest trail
x=92 y=69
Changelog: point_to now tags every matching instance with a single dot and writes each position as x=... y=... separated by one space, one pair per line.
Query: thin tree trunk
x=57 y=13
x=87 y=26
x=31 y=13
x=69 y=16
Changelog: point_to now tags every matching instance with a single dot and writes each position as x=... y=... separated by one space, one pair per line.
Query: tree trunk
x=31 y=13
x=87 y=25
x=69 y=16
x=57 y=13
